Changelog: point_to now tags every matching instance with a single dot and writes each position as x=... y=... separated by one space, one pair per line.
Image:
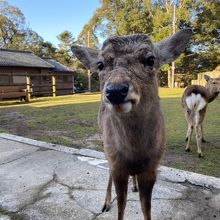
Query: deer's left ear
x=169 y=49
x=207 y=78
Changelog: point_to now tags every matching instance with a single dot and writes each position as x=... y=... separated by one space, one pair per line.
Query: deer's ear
x=207 y=78
x=87 y=56
x=169 y=49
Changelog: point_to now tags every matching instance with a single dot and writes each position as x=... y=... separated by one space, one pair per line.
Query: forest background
x=123 y=17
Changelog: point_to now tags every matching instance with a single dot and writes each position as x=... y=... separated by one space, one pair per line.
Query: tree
x=64 y=54
x=66 y=40
x=119 y=17
x=206 y=35
x=12 y=26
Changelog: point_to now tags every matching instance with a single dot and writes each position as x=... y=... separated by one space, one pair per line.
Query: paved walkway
x=45 y=181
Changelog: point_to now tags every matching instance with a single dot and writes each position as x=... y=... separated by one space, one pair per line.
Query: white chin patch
x=122 y=108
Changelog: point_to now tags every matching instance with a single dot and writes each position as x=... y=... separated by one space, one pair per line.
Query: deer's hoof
x=203 y=140
x=134 y=189
x=201 y=155
x=106 y=207
x=187 y=149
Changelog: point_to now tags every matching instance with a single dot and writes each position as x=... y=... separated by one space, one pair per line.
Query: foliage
x=119 y=17
x=64 y=54
x=124 y=17
x=12 y=23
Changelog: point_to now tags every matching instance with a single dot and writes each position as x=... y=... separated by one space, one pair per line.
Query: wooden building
x=23 y=72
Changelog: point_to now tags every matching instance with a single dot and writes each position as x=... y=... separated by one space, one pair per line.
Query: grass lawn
x=71 y=120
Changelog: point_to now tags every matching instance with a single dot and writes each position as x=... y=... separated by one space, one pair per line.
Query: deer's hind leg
x=203 y=139
x=135 y=185
x=189 y=136
x=198 y=131
x=189 y=130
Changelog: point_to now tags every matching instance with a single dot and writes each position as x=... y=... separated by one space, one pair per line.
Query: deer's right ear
x=87 y=56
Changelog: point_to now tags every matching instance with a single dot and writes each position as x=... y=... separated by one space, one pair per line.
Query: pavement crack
x=24 y=156
x=202 y=186
x=96 y=215
x=187 y=182
x=39 y=193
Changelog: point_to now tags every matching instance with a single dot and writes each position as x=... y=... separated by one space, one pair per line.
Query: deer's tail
x=195 y=103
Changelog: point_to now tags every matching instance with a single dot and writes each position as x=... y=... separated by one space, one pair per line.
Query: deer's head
x=213 y=84
x=128 y=65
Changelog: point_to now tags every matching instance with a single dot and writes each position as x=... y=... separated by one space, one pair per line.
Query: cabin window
x=5 y=80
x=19 y=79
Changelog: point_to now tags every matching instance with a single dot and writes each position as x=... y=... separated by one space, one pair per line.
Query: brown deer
x=195 y=100
x=130 y=116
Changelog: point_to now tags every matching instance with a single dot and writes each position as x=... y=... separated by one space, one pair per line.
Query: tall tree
x=64 y=54
x=206 y=37
x=12 y=26
x=119 y=17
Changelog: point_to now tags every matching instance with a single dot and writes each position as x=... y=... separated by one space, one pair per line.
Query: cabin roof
x=16 y=58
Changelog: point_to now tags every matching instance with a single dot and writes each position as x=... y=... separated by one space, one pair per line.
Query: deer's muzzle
x=116 y=92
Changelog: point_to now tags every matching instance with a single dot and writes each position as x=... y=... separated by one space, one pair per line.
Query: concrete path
x=45 y=181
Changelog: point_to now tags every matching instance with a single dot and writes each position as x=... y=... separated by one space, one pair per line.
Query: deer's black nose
x=116 y=93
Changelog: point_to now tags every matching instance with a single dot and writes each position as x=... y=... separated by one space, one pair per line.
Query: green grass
x=67 y=119
x=12 y=215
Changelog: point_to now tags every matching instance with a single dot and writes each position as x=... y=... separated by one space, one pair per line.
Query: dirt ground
x=16 y=123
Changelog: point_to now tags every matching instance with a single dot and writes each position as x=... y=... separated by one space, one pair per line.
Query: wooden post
x=169 y=77
x=73 y=82
x=173 y=63
x=89 y=72
x=28 y=88
x=54 y=85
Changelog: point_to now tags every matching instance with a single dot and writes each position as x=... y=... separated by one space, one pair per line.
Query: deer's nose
x=116 y=93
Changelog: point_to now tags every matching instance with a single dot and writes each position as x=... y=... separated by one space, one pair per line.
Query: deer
x=195 y=100
x=130 y=116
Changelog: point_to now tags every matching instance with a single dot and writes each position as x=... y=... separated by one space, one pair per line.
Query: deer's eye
x=100 y=65
x=149 y=61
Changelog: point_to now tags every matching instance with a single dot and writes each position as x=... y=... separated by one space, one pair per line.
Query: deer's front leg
x=121 y=186
x=146 y=183
x=107 y=205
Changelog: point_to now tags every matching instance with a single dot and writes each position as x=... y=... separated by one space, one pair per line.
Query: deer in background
x=130 y=116
x=195 y=100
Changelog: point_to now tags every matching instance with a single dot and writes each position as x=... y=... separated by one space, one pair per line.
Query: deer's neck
x=138 y=124
x=211 y=96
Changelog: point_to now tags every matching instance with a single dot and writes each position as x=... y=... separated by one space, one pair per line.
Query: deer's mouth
x=124 y=107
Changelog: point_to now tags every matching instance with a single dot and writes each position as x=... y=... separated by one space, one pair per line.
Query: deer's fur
x=133 y=125
x=195 y=100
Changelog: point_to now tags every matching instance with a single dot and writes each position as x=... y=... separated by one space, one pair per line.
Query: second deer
x=195 y=100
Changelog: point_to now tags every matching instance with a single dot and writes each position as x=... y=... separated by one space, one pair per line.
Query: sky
x=49 y=18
